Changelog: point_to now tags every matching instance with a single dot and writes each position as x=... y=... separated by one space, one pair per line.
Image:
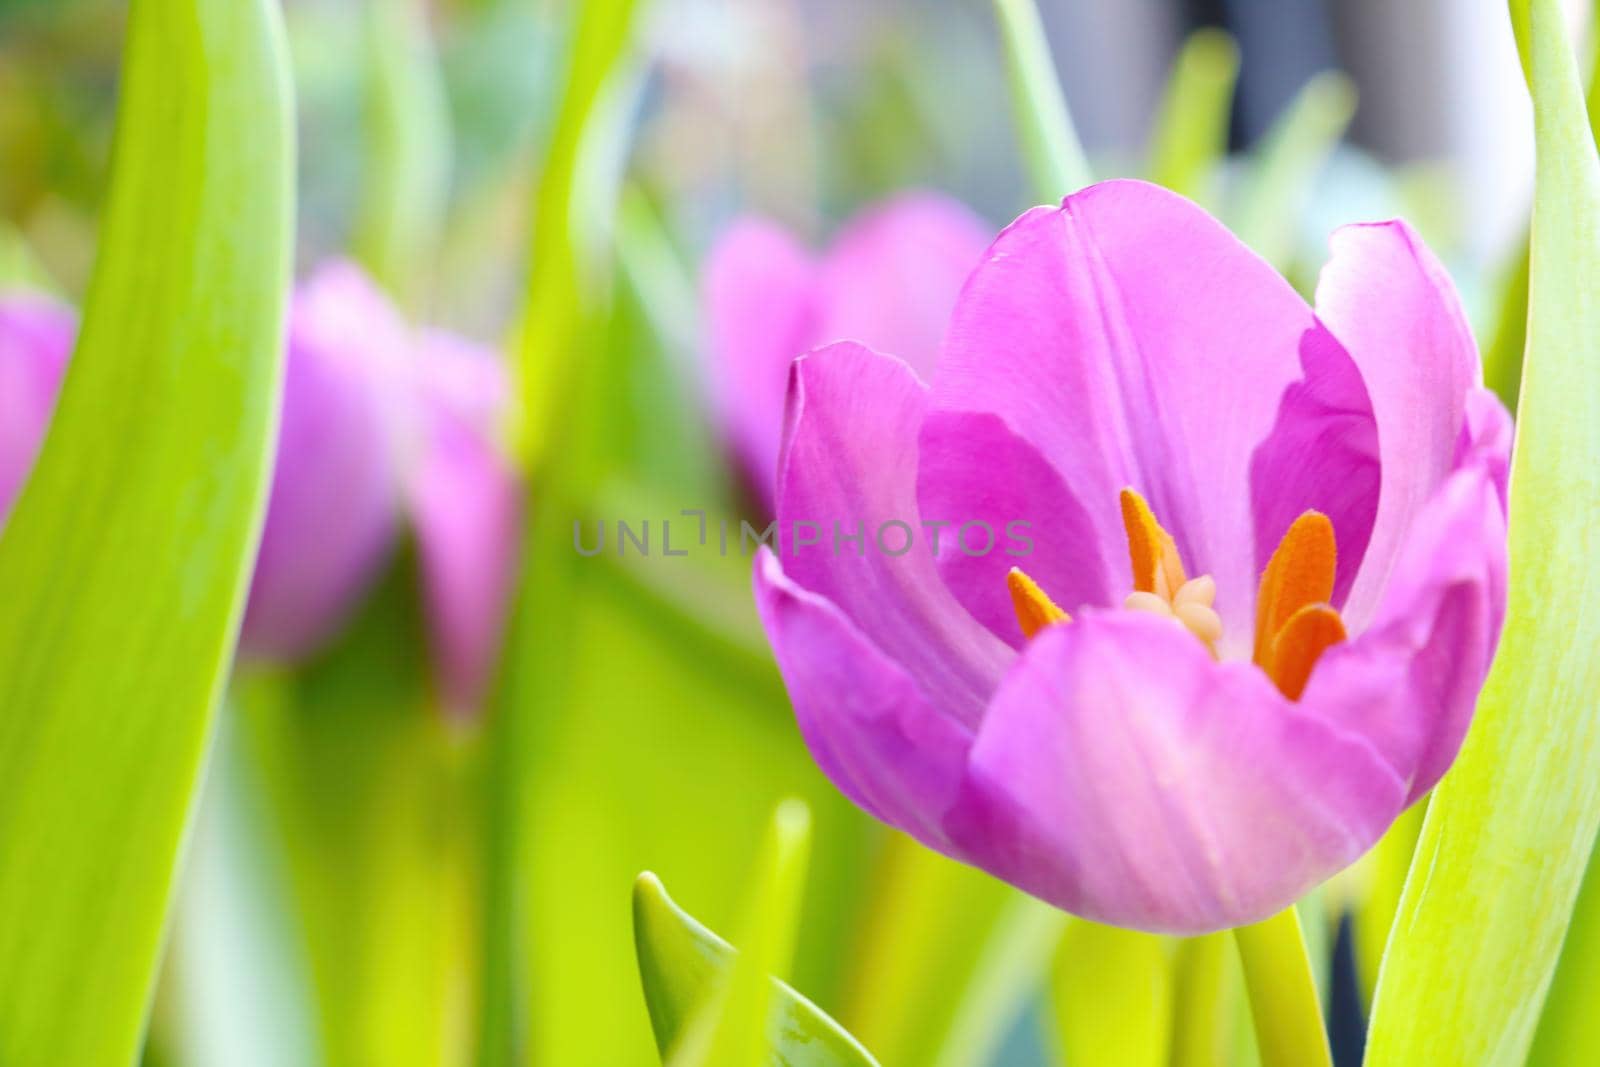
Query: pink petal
x=889 y=282
x=759 y=306
x=1056 y=546
x=1410 y=682
x=849 y=470
x=466 y=504
x=892 y=276
x=1391 y=304
x=870 y=728
x=1124 y=775
x=333 y=507
x=1135 y=342
x=36 y=337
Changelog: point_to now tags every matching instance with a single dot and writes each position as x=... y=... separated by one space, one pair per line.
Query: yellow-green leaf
x=125 y=562
x=1191 y=135
x=1050 y=145
x=680 y=965
x=1507 y=835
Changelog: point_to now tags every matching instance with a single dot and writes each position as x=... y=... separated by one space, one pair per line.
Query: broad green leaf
x=1050 y=147
x=1273 y=193
x=125 y=563
x=364 y=785
x=1508 y=334
x=1569 y=1029
x=1507 y=835
x=938 y=975
x=1113 y=992
x=680 y=964
x=406 y=162
x=1191 y=135
x=730 y=1028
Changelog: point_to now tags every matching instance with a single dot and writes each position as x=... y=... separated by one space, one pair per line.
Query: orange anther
x=1034 y=609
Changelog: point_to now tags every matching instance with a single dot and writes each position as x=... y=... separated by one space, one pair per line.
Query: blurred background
x=374 y=880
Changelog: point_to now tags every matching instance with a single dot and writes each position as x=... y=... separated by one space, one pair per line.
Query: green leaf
x=1272 y=197
x=563 y=414
x=567 y=205
x=406 y=163
x=1211 y=1025
x=1507 y=835
x=1113 y=993
x=126 y=560
x=1050 y=145
x=1387 y=865
x=1283 y=992
x=361 y=779
x=730 y=1029
x=1190 y=140
x=947 y=960
x=680 y=964
x=1569 y=1029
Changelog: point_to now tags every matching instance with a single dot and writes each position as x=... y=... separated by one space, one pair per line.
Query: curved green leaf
x=1507 y=835
x=730 y=1030
x=125 y=562
x=681 y=964
x=1191 y=135
x=1050 y=145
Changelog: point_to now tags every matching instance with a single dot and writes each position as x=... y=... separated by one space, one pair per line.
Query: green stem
x=1283 y=994
x=1055 y=158
x=1202 y=1010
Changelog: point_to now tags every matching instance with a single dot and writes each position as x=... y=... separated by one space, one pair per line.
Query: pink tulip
x=889 y=281
x=1267 y=568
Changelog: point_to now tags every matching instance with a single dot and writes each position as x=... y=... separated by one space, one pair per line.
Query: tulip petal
x=335 y=483
x=1391 y=304
x=1124 y=775
x=465 y=502
x=35 y=340
x=1058 y=548
x=892 y=276
x=869 y=726
x=1136 y=343
x=759 y=305
x=849 y=471
x=1410 y=682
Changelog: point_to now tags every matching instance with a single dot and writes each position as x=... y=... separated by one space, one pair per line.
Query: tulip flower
x=377 y=421
x=889 y=281
x=35 y=340
x=1261 y=584
x=465 y=502
x=334 y=506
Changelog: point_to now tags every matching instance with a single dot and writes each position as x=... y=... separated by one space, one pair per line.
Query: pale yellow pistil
x=1160 y=585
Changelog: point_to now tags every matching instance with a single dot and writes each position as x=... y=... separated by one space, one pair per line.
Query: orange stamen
x=1151 y=550
x=1299 y=573
x=1034 y=609
x=1300 y=642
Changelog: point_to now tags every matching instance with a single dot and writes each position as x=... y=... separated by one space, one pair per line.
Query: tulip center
x=1295 y=621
